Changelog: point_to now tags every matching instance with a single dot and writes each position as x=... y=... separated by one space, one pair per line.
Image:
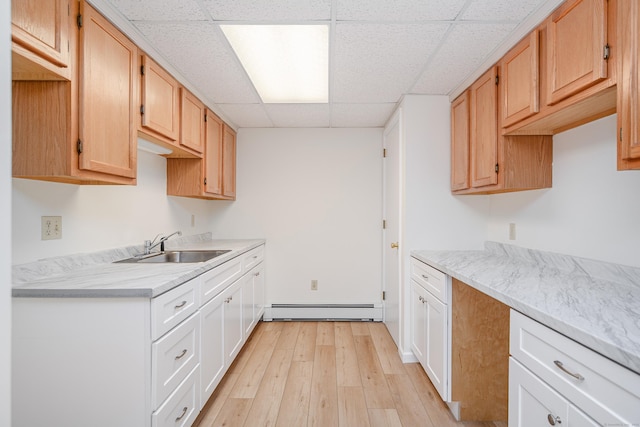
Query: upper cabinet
x=40 y=40
x=159 y=103
x=460 y=142
x=483 y=130
x=229 y=163
x=520 y=71
x=84 y=130
x=629 y=85
x=192 y=112
x=577 y=49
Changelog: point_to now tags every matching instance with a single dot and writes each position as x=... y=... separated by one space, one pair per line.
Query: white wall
x=5 y=214
x=315 y=195
x=592 y=210
x=102 y=217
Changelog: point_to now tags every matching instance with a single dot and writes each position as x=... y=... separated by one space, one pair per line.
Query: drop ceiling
x=379 y=50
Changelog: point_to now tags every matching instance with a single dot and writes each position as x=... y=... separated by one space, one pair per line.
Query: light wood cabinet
x=192 y=113
x=213 y=176
x=460 y=142
x=66 y=131
x=40 y=41
x=628 y=93
x=520 y=69
x=496 y=163
x=159 y=103
x=483 y=130
x=577 y=49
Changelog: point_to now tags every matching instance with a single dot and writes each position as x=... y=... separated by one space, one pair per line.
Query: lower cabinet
x=154 y=362
x=555 y=381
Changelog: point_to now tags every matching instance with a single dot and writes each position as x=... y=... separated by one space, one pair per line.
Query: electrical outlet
x=512 y=231
x=51 y=227
x=193 y=220
x=314 y=285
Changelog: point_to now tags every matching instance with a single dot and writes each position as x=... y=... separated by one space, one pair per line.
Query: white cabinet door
x=436 y=354
x=532 y=403
x=258 y=292
x=418 y=322
x=212 y=360
x=233 y=332
x=248 y=319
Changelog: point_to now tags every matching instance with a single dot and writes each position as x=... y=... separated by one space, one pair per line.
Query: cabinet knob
x=394 y=245
x=553 y=420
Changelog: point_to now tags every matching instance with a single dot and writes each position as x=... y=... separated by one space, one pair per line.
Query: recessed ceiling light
x=286 y=63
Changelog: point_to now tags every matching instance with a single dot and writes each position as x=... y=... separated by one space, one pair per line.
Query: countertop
x=95 y=275
x=594 y=303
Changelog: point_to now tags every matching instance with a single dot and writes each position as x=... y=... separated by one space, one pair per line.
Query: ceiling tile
x=200 y=52
x=160 y=10
x=378 y=62
x=361 y=115
x=500 y=10
x=246 y=115
x=464 y=50
x=268 y=10
x=299 y=115
x=388 y=11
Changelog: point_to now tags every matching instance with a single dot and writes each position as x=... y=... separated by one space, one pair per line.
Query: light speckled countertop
x=95 y=275
x=596 y=304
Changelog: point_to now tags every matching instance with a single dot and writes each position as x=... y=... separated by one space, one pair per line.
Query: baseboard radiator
x=317 y=312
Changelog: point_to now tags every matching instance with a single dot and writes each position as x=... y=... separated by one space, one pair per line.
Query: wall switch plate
x=51 y=227
x=314 y=285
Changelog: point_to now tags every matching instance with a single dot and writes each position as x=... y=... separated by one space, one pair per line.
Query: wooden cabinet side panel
x=484 y=130
x=460 y=142
x=213 y=163
x=479 y=354
x=528 y=162
x=520 y=69
x=229 y=163
x=576 y=37
x=107 y=126
x=184 y=177
x=42 y=27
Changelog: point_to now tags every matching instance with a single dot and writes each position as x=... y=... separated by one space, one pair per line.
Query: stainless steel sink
x=176 y=257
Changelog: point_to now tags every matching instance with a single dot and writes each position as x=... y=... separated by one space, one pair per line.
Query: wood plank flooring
x=325 y=374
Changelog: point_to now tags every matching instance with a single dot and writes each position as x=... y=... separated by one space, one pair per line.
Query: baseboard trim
x=335 y=312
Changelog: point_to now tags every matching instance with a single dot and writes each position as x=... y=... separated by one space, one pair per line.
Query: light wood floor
x=325 y=374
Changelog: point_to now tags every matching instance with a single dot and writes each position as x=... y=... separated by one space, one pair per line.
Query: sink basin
x=176 y=257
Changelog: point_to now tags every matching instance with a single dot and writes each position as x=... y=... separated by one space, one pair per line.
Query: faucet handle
x=147 y=247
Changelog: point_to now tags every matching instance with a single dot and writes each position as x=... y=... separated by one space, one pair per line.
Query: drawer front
x=606 y=391
x=532 y=403
x=183 y=406
x=172 y=358
x=171 y=308
x=432 y=280
x=252 y=258
x=216 y=280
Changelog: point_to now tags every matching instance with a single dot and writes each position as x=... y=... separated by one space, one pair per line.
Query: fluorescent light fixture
x=286 y=63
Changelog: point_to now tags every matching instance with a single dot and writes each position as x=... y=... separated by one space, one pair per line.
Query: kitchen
x=580 y=215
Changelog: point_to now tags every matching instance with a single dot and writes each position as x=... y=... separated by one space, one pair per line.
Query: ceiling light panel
x=268 y=10
x=387 y=57
x=286 y=63
x=393 y=11
x=160 y=10
x=207 y=63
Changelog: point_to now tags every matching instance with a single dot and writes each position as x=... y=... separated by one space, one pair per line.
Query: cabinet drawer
x=183 y=406
x=533 y=403
x=606 y=391
x=171 y=308
x=252 y=258
x=172 y=357
x=432 y=280
x=216 y=280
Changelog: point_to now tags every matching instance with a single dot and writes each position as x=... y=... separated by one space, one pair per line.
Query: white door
x=391 y=236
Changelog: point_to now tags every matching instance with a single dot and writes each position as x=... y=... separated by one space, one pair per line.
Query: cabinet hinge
x=384 y=152
x=497 y=80
x=607 y=52
x=142 y=109
x=384 y=295
x=205 y=181
x=79 y=146
x=68 y=9
x=79 y=21
x=620 y=134
x=497 y=168
x=205 y=118
x=384 y=224
x=142 y=70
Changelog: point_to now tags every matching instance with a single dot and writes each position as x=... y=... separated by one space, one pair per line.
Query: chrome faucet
x=150 y=244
